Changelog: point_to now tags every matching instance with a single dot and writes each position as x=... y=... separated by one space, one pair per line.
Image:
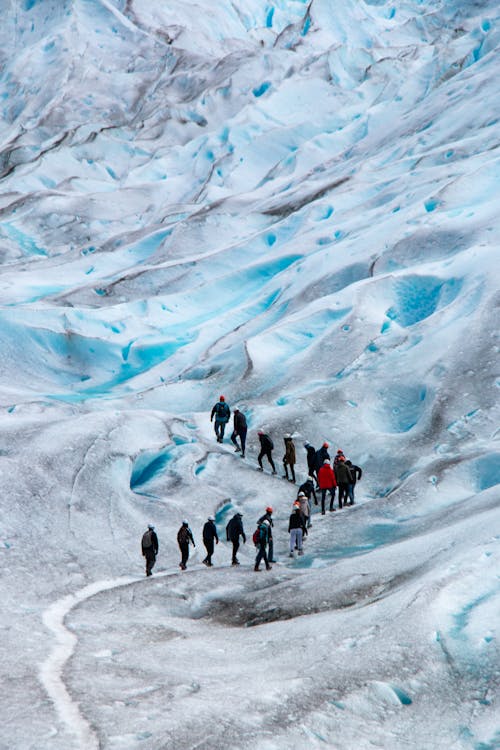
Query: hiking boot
x=235 y=562
x=259 y=468
x=257 y=570
x=268 y=567
x=182 y=566
x=274 y=471
x=291 y=554
x=205 y=562
x=301 y=552
x=237 y=450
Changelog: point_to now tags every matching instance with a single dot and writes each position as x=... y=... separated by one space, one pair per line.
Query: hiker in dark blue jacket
x=221 y=412
x=149 y=547
x=239 y=430
x=264 y=530
x=356 y=474
x=234 y=530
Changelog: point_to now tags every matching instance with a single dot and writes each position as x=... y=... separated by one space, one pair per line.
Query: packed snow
x=294 y=204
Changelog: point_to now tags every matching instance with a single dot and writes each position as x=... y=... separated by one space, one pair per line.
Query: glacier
x=294 y=204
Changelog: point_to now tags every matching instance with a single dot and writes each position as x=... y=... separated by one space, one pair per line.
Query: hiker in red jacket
x=327 y=483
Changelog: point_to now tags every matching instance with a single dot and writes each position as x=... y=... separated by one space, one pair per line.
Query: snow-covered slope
x=296 y=205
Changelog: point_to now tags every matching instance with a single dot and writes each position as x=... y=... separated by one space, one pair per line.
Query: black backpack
x=146 y=539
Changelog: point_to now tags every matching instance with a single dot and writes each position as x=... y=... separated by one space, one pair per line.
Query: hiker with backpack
x=221 y=412
x=149 y=547
x=261 y=540
x=239 y=430
x=289 y=458
x=184 y=539
x=356 y=473
x=307 y=488
x=321 y=456
x=327 y=483
x=269 y=516
x=297 y=530
x=234 y=530
x=266 y=449
x=209 y=537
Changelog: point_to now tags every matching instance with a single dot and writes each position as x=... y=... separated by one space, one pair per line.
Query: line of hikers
x=343 y=474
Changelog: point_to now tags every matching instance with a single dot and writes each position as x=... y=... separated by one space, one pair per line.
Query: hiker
x=266 y=448
x=337 y=458
x=311 y=459
x=262 y=542
x=184 y=538
x=268 y=515
x=221 y=412
x=239 y=430
x=327 y=483
x=321 y=456
x=296 y=529
x=343 y=476
x=308 y=489
x=209 y=535
x=356 y=474
x=289 y=458
x=234 y=530
x=149 y=546
x=305 y=508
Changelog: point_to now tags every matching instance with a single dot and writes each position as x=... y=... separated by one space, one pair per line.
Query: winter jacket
x=355 y=471
x=297 y=521
x=326 y=477
x=308 y=489
x=304 y=506
x=210 y=532
x=150 y=536
x=239 y=422
x=343 y=473
x=234 y=529
x=221 y=411
x=184 y=536
x=266 y=443
x=289 y=457
x=311 y=459
x=321 y=455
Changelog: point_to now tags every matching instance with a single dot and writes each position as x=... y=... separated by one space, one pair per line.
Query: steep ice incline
x=294 y=204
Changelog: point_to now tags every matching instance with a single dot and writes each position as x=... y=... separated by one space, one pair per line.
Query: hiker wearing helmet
x=234 y=530
x=239 y=430
x=184 y=539
x=268 y=515
x=263 y=539
x=305 y=508
x=343 y=476
x=296 y=529
x=289 y=458
x=149 y=547
x=209 y=537
x=327 y=483
x=307 y=488
x=221 y=412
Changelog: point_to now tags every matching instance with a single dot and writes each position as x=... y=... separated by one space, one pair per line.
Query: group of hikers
x=324 y=476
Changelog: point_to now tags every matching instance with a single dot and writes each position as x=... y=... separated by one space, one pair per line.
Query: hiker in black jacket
x=239 y=430
x=268 y=515
x=321 y=456
x=308 y=489
x=266 y=448
x=343 y=476
x=356 y=473
x=149 y=547
x=209 y=537
x=311 y=459
x=234 y=530
x=297 y=530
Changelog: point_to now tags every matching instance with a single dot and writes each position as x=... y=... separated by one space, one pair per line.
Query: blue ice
x=487 y=471
x=418 y=297
x=148 y=465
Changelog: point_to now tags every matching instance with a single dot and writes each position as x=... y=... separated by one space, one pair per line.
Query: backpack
x=146 y=539
x=256 y=536
x=260 y=534
x=221 y=410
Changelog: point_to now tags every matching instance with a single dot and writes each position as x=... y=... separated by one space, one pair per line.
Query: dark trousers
x=236 y=546
x=269 y=458
x=219 y=428
x=262 y=555
x=243 y=439
x=350 y=493
x=331 y=490
x=184 y=548
x=343 y=493
x=150 y=556
x=292 y=470
x=209 y=546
